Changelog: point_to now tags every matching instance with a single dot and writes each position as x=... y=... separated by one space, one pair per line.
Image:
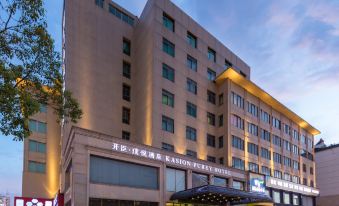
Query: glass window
x=191 y=133
x=120 y=15
x=167 y=147
x=221 y=141
x=238 y=185
x=192 y=63
x=221 y=160
x=167 y=98
x=211 y=74
x=126 y=69
x=237 y=100
x=265 y=135
x=35 y=146
x=37 y=167
x=175 y=180
x=199 y=180
x=100 y=3
x=36 y=126
x=191 y=109
x=43 y=108
x=211 y=159
x=237 y=122
x=228 y=64
x=211 y=55
x=252 y=128
x=276 y=197
x=167 y=124
x=277 y=174
x=266 y=171
x=219 y=181
x=126 y=135
x=211 y=119
x=238 y=163
x=221 y=99
x=253 y=167
x=210 y=97
x=265 y=153
x=126 y=47
x=126 y=115
x=296 y=199
x=191 y=153
x=191 y=86
x=168 y=22
x=265 y=117
x=237 y=142
x=252 y=148
x=168 y=72
x=210 y=140
x=168 y=47
x=116 y=172
x=126 y=92
x=192 y=40
x=252 y=109
x=277 y=157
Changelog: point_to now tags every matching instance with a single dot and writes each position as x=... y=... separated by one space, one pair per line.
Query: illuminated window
x=167 y=98
x=287 y=198
x=276 y=197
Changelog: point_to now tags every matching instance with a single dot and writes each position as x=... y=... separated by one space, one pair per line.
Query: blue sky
x=291 y=46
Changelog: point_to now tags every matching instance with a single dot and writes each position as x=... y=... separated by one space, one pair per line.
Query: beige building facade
x=174 y=111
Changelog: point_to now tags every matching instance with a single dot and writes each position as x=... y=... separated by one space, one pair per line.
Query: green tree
x=30 y=69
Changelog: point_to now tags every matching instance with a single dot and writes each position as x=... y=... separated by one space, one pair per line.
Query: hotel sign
x=290 y=186
x=172 y=160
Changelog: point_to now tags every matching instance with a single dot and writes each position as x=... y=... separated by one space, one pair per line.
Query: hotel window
x=303 y=139
x=252 y=128
x=287 y=198
x=287 y=176
x=192 y=63
x=277 y=157
x=265 y=135
x=167 y=72
x=100 y=3
x=277 y=174
x=167 y=98
x=252 y=109
x=219 y=181
x=191 y=86
x=221 y=120
x=296 y=199
x=287 y=129
x=221 y=160
x=287 y=162
x=126 y=135
x=168 y=47
x=211 y=54
x=211 y=119
x=126 y=115
x=211 y=74
x=191 y=133
x=277 y=140
x=126 y=69
x=295 y=134
x=115 y=172
x=265 y=153
x=210 y=140
x=36 y=126
x=238 y=163
x=175 y=180
x=168 y=22
x=167 y=147
x=253 y=167
x=199 y=179
x=126 y=46
x=37 y=167
x=311 y=170
x=237 y=100
x=191 y=153
x=304 y=168
x=221 y=99
x=287 y=145
x=121 y=15
x=296 y=165
x=238 y=185
x=211 y=159
x=311 y=183
x=276 y=197
x=167 y=124
x=303 y=153
x=237 y=121
x=126 y=92
x=35 y=146
x=237 y=142
x=210 y=97
x=295 y=149
x=266 y=171
x=304 y=181
x=252 y=148
x=296 y=179
x=265 y=117
x=228 y=64
x=221 y=141
x=43 y=108
x=276 y=123
x=192 y=40
x=191 y=109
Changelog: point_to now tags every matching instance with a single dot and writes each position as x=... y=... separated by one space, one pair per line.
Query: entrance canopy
x=215 y=195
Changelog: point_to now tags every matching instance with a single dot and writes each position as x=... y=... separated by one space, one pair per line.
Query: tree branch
x=7 y=22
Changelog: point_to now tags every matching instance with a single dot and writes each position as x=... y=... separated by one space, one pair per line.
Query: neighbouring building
x=327 y=167
x=5 y=200
x=171 y=117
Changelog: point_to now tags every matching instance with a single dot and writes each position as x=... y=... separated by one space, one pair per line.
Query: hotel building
x=171 y=117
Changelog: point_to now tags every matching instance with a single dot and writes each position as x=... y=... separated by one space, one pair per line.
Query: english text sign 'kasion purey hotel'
x=171 y=117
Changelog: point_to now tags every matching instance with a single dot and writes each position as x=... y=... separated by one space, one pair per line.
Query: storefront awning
x=215 y=195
